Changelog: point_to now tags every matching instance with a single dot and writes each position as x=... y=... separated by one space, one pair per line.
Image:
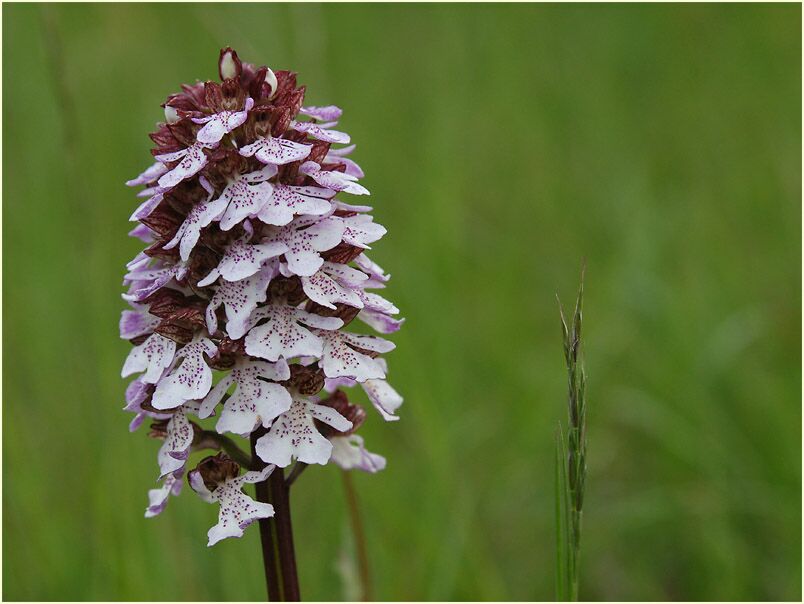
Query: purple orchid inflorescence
x=253 y=269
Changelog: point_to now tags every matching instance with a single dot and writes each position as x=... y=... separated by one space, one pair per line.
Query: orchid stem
x=284 y=532
x=267 y=538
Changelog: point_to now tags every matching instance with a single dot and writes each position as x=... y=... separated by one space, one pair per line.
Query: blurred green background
x=503 y=144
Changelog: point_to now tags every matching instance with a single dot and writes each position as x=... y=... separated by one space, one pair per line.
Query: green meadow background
x=503 y=145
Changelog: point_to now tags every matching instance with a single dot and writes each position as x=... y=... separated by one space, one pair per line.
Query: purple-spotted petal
x=239 y=298
x=294 y=434
x=218 y=125
x=193 y=159
x=246 y=195
x=137 y=322
x=277 y=151
x=320 y=133
x=288 y=201
x=338 y=181
x=340 y=357
x=158 y=498
x=350 y=454
x=243 y=259
x=176 y=448
x=328 y=113
x=189 y=381
x=254 y=401
x=305 y=239
x=153 y=356
x=334 y=283
x=201 y=215
x=150 y=175
x=360 y=230
x=384 y=398
x=237 y=510
x=283 y=336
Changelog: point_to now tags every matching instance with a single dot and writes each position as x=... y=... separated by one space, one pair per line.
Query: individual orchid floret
x=330 y=113
x=335 y=283
x=149 y=176
x=342 y=356
x=242 y=259
x=294 y=435
x=288 y=201
x=178 y=435
x=360 y=230
x=246 y=195
x=282 y=334
x=337 y=181
x=320 y=132
x=158 y=498
x=191 y=161
x=221 y=124
x=153 y=356
x=276 y=151
x=216 y=480
x=240 y=299
x=255 y=399
x=192 y=379
x=350 y=453
x=305 y=239
x=201 y=215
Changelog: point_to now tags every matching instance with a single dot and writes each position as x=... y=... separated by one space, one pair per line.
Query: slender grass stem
x=571 y=458
x=359 y=535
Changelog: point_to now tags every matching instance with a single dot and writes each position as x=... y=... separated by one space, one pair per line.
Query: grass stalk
x=571 y=459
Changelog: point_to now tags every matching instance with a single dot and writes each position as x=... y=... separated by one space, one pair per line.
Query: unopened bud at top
x=270 y=79
x=171 y=115
x=229 y=66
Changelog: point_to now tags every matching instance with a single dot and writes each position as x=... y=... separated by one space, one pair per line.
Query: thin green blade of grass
x=562 y=524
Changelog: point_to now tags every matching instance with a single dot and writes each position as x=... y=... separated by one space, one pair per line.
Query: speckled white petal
x=246 y=195
x=218 y=125
x=282 y=335
x=254 y=401
x=237 y=510
x=176 y=448
x=158 y=498
x=201 y=215
x=384 y=398
x=320 y=133
x=243 y=259
x=306 y=239
x=150 y=175
x=239 y=298
x=277 y=151
x=191 y=380
x=326 y=113
x=137 y=322
x=294 y=434
x=193 y=159
x=288 y=201
x=153 y=356
x=338 y=181
x=350 y=454
x=340 y=358
x=360 y=230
